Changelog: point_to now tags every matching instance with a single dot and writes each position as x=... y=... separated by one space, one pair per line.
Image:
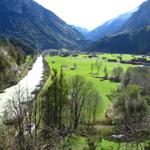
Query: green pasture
x=80 y=143
x=105 y=87
x=84 y=68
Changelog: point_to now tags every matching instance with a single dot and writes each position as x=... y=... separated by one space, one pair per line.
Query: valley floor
x=83 y=68
x=81 y=65
x=29 y=83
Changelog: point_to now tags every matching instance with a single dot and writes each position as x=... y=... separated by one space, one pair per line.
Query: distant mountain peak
x=110 y=27
x=82 y=30
x=139 y=19
x=133 y=37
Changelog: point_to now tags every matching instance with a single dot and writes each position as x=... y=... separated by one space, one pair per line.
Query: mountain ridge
x=139 y=19
x=133 y=37
x=82 y=30
x=109 y=28
x=37 y=26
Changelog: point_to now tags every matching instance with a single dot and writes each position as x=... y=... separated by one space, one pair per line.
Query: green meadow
x=83 y=68
x=105 y=87
x=79 y=143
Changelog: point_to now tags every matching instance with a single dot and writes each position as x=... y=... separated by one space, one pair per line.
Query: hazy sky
x=89 y=13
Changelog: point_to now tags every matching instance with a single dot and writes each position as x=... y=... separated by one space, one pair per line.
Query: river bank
x=18 y=72
x=28 y=83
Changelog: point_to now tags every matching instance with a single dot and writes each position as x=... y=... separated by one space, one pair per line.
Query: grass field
x=84 y=68
x=105 y=87
x=80 y=143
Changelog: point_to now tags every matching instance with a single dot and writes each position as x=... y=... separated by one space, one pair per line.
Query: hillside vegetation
x=132 y=36
x=129 y=43
x=36 y=26
x=12 y=58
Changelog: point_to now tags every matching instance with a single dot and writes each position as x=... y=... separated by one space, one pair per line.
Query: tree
x=62 y=98
x=50 y=112
x=17 y=113
x=92 y=105
x=131 y=103
x=81 y=94
x=131 y=108
x=139 y=76
x=117 y=73
x=55 y=100
x=105 y=73
x=92 y=68
x=96 y=98
x=98 y=65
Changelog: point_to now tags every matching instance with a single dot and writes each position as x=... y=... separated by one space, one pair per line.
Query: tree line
x=68 y=103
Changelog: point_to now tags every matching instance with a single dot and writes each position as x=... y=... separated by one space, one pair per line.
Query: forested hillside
x=132 y=37
x=109 y=28
x=134 y=43
x=36 y=26
x=12 y=57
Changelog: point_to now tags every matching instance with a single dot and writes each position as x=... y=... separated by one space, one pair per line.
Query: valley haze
x=89 y=13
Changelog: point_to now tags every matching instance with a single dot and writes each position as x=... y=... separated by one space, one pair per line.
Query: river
x=28 y=83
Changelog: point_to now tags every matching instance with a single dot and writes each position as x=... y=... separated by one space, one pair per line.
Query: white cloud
x=89 y=13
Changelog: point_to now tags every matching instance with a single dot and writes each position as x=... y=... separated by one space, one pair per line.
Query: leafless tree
x=81 y=92
x=98 y=65
x=16 y=111
x=25 y=113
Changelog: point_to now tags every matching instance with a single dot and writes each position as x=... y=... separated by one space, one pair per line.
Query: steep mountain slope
x=134 y=36
x=139 y=19
x=137 y=42
x=35 y=25
x=108 y=28
x=84 y=31
x=11 y=57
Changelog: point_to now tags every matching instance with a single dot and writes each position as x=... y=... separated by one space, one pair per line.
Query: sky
x=89 y=13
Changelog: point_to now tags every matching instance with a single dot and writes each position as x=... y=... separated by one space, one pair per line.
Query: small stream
x=28 y=83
